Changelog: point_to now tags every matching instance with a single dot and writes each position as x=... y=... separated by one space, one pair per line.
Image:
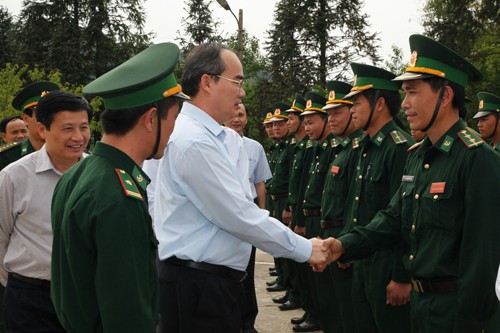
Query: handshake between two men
x=324 y=252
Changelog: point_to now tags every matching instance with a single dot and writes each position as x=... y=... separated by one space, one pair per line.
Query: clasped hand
x=324 y=252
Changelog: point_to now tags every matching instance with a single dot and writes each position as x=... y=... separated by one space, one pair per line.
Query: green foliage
x=311 y=40
x=6 y=27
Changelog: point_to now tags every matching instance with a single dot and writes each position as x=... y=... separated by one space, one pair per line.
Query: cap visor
x=334 y=105
x=412 y=76
x=353 y=93
x=481 y=114
x=183 y=96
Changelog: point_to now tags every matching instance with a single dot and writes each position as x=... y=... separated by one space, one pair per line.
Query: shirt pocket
x=439 y=209
x=377 y=189
x=407 y=196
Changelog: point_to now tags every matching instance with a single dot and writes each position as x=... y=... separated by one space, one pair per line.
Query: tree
x=6 y=28
x=199 y=26
x=81 y=38
x=321 y=41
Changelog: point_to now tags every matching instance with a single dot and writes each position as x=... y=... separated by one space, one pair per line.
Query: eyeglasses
x=237 y=82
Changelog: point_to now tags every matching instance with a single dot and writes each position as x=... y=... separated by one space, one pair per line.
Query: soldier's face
x=15 y=131
x=293 y=122
x=360 y=110
x=419 y=103
x=338 y=119
x=280 y=129
x=314 y=124
x=67 y=137
x=269 y=130
x=487 y=124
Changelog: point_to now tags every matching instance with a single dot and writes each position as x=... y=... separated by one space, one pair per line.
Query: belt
x=279 y=196
x=219 y=270
x=312 y=212
x=438 y=285
x=32 y=281
x=331 y=223
x=292 y=208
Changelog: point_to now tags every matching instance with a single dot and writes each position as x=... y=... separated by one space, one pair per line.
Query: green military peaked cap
x=488 y=104
x=371 y=77
x=279 y=114
x=430 y=58
x=146 y=78
x=298 y=105
x=337 y=90
x=315 y=103
x=29 y=96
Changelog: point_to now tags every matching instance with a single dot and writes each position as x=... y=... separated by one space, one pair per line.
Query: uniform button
x=304 y=201
x=404 y=193
x=413 y=227
x=317 y=157
x=426 y=166
x=356 y=198
x=336 y=155
x=354 y=221
x=417 y=196
x=411 y=257
x=435 y=196
x=364 y=155
x=307 y=186
x=360 y=177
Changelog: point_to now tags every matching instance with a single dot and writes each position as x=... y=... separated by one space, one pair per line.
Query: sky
x=394 y=20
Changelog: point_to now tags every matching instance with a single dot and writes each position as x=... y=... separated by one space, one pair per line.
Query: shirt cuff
x=303 y=249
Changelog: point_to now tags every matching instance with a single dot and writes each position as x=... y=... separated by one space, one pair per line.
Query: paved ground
x=270 y=319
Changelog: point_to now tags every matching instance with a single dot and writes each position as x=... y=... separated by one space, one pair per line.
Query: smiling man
x=13 y=129
x=26 y=188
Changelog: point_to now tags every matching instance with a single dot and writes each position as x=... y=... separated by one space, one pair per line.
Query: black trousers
x=28 y=308
x=192 y=300
x=251 y=308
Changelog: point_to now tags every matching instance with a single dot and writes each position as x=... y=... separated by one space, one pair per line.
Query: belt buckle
x=417 y=286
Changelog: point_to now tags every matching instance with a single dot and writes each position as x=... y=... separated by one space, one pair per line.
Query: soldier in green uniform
x=26 y=101
x=315 y=121
x=381 y=286
x=278 y=184
x=488 y=118
x=339 y=176
x=104 y=275
x=446 y=208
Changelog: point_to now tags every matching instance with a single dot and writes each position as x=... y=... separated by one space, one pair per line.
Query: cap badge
x=413 y=59
x=309 y=103
x=269 y=115
x=481 y=104
x=331 y=95
x=277 y=112
x=354 y=80
x=45 y=92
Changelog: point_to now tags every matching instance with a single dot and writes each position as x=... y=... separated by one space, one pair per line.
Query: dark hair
x=6 y=121
x=29 y=111
x=392 y=99
x=458 y=102
x=203 y=59
x=58 y=101
x=247 y=112
x=120 y=122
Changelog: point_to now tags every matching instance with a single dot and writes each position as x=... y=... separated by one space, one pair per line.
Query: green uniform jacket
x=322 y=156
x=296 y=176
x=301 y=174
x=104 y=276
x=281 y=172
x=446 y=212
x=339 y=176
x=379 y=169
x=14 y=151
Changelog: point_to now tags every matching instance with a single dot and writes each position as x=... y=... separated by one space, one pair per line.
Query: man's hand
x=286 y=217
x=300 y=231
x=320 y=256
x=398 y=293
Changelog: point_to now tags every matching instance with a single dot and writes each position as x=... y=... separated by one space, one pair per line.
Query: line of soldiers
x=337 y=163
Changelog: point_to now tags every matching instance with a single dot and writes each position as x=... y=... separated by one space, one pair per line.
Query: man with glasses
x=205 y=224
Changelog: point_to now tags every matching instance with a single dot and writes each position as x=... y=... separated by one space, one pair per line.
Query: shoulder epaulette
x=398 y=137
x=293 y=141
x=355 y=143
x=309 y=144
x=469 y=138
x=416 y=145
x=128 y=185
x=334 y=142
x=9 y=146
